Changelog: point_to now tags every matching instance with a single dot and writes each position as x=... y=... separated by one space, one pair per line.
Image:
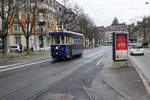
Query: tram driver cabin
x=66 y=44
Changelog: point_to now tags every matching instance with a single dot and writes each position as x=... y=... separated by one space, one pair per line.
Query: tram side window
x=81 y=41
x=72 y=40
x=76 y=40
x=62 y=40
x=69 y=40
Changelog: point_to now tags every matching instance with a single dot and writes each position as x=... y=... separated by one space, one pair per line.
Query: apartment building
x=116 y=28
x=132 y=29
x=143 y=33
x=44 y=24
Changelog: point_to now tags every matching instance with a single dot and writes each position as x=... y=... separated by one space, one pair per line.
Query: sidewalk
x=114 y=83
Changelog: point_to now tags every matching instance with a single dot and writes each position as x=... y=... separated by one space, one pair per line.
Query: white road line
x=99 y=62
x=12 y=65
x=3 y=70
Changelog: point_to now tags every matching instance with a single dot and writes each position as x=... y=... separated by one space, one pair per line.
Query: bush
x=145 y=44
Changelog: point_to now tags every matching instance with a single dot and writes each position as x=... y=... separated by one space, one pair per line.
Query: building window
x=18 y=40
x=17 y=28
x=42 y=28
x=52 y=26
x=48 y=27
x=41 y=15
x=52 y=18
x=17 y=15
x=28 y=15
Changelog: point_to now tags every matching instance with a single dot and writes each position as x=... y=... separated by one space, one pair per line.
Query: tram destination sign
x=120 y=46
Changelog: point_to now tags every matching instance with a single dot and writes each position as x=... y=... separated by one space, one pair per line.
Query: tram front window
x=58 y=40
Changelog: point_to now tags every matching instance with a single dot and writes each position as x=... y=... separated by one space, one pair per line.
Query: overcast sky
x=104 y=11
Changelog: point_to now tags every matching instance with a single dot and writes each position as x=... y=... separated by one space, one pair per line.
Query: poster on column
x=121 y=47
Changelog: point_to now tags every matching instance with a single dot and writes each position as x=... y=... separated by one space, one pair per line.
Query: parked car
x=136 y=50
x=14 y=48
x=48 y=48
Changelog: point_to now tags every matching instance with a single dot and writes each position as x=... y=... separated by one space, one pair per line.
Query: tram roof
x=66 y=33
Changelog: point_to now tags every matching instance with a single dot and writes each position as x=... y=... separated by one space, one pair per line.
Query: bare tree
x=7 y=9
x=67 y=16
x=72 y=17
x=29 y=7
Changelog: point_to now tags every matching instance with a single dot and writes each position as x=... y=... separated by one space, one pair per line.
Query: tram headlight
x=56 y=48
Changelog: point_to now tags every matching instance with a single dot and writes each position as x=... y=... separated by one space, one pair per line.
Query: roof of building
x=119 y=27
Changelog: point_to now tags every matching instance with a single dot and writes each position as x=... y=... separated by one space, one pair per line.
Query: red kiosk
x=120 y=46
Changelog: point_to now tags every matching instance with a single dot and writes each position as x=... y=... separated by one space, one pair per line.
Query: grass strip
x=23 y=55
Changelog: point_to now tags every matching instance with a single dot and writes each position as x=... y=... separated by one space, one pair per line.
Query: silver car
x=15 y=48
x=137 y=50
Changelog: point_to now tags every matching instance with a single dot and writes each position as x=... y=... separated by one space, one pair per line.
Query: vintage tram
x=66 y=44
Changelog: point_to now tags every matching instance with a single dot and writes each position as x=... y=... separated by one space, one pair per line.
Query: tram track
x=89 y=93
x=35 y=82
x=53 y=85
x=66 y=70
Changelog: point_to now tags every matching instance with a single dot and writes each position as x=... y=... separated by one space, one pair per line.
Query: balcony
x=41 y=19
x=42 y=5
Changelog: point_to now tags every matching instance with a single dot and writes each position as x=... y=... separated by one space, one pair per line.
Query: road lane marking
x=89 y=93
x=3 y=70
x=99 y=62
x=12 y=65
x=45 y=77
x=35 y=82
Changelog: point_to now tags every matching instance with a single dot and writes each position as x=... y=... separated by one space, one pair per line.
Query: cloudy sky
x=104 y=11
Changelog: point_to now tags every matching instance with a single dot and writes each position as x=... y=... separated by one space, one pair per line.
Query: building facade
x=101 y=33
x=45 y=23
x=111 y=29
x=132 y=29
x=143 y=33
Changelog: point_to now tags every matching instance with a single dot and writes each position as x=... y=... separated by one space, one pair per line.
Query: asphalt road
x=142 y=65
x=42 y=78
x=143 y=62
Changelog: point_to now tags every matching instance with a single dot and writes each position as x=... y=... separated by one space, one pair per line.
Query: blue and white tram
x=66 y=44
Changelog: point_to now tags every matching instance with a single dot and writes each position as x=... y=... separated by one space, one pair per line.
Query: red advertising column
x=148 y=44
x=121 y=46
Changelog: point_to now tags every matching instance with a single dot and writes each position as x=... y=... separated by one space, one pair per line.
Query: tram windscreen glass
x=56 y=40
